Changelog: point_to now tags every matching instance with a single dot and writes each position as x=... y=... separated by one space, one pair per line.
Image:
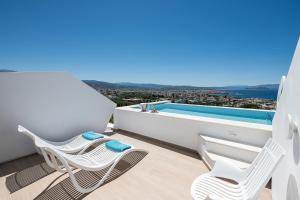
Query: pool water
x=244 y=115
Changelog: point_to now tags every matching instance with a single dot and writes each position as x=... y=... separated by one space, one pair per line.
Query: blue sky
x=200 y=42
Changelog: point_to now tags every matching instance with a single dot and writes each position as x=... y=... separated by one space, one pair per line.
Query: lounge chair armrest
x=223 y=169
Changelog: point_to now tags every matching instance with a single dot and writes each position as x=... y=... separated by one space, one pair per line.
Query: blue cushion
x=117 y=146
x=91 y=135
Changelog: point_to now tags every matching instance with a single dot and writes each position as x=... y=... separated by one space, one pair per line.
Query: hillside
x=150 y=86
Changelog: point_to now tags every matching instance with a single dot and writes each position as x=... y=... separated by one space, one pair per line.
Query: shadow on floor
x=20 y=164
x=65 y=190
x=162 y=144
x=27 y=176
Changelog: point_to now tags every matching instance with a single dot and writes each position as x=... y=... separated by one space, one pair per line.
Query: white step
x=234 y=150
x=110 y=125
x=232 y=144
x=109 y=128
x=214 y=157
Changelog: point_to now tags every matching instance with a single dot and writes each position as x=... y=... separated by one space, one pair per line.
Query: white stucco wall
x=286 y=179
x=184 y=130
x=55 y=105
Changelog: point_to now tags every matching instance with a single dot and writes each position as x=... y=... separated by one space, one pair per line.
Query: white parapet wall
x=56 y=106
x=184 y=130
x=286 y=179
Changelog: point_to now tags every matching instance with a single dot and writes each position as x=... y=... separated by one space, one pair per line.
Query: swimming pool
x=236 y=114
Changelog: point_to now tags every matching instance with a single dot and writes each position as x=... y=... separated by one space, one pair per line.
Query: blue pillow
x=91 y=135
x=117 y=146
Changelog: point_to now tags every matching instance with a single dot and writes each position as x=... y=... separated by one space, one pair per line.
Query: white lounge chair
x=99 y=158
x=77 y=144
x=95 y=160
x=249 y=182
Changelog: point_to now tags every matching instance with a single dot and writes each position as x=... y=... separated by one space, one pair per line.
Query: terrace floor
x=166 y=172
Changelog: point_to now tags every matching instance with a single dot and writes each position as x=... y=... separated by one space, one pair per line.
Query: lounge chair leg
x=67 y=168
x=87 y=190
x=53 y=163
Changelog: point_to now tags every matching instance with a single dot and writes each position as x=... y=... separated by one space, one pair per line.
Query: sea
x=262 y=94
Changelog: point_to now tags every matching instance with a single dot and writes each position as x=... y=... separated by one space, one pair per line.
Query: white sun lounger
x=250 y=182
x=77 y=144
x=95 y=160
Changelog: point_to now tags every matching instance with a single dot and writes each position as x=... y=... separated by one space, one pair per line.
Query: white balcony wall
x=184 y=130
x=286 y=179
x=56 y=106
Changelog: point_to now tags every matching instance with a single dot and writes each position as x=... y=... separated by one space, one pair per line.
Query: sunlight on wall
x=286 y=179
x=55 y=106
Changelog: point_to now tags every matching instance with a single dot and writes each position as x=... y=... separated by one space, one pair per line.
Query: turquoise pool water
x=244 y=115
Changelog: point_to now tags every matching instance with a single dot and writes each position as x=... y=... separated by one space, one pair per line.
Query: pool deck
x=165 y=172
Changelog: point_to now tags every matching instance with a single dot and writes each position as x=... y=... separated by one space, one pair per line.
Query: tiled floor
x=164 y=173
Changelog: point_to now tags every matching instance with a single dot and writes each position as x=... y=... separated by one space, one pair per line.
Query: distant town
x=129 y=94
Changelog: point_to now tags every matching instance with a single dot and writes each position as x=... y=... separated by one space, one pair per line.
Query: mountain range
x=6 y=70
x=149 y=86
